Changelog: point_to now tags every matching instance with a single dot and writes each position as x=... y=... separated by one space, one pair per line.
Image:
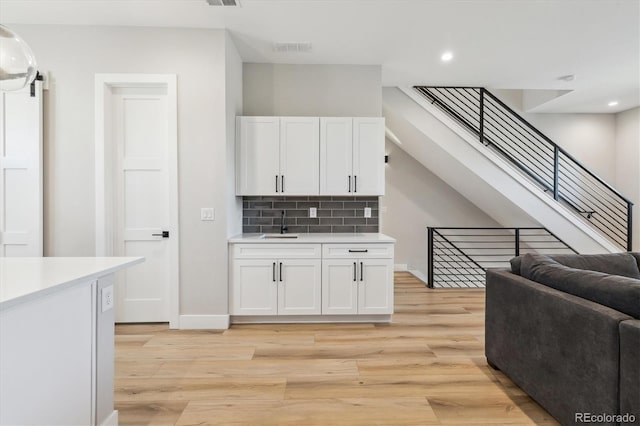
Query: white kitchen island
x=57 y=340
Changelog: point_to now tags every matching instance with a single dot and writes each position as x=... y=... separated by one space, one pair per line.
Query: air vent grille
x=292 y=47
x=235 y=3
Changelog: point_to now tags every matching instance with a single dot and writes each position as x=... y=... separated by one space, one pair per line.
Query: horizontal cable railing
x=459 y=257
x=553 y=169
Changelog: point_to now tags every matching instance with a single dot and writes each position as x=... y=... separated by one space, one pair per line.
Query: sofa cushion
x=636 y=255
x=624 y=264
x=617 y=292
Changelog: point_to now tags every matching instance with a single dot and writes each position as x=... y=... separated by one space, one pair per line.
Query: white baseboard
x=111 y=420
x=204 y=322
x=400 y=267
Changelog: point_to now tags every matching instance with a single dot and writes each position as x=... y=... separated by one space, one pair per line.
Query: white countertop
x=28 y=278
x=315 y=239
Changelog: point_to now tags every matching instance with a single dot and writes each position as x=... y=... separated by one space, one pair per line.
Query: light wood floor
x=427 y=368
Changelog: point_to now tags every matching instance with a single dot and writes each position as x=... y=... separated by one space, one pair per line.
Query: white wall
x=590 y=138
x=415 y=199
x=628 y=163
x=313 y=90
x=73 y=55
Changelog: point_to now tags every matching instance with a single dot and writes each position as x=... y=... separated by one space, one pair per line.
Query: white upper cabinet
x=310 y=156
x=277 y=156
x=336 y=155
x=368 y=156
x=257 y=155
x=352 y=156
x=299 y=156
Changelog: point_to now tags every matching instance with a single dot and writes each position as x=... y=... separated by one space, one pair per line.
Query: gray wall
x=73 y=55
x=313 y=90
x=415 y=199
x=628 y=163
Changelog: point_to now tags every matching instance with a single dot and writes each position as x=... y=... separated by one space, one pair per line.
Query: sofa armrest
x=630 y=370
x=560 y=349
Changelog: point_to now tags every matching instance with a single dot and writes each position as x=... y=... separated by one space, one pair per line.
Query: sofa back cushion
x=623 y=264
x=617 y=292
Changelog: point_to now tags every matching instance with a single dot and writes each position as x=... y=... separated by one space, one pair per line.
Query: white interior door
x=299 y=155
x=336 y=156
x=142 y=204
x=368 y=155
x=21 y=173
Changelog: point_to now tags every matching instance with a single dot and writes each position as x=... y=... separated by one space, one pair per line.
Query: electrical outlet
x=107 y=298
x=367 y=212
x=207 y=213
x=313 y=212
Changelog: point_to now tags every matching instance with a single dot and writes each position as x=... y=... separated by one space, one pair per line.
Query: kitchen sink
x=269 y=236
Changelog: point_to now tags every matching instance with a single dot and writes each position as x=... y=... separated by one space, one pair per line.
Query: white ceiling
x=514 y=44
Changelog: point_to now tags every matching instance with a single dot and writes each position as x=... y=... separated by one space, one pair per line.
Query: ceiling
x=510 y=44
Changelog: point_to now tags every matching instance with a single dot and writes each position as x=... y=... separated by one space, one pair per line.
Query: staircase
x=507 y=167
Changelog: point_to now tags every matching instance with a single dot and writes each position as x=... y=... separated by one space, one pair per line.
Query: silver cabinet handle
x=280 y=271
x=274 y=272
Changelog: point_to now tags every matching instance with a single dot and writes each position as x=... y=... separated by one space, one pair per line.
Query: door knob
x=165 y=234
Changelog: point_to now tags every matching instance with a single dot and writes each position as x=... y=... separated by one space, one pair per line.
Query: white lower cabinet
x=276 y=287
x=272 y=280
x=357 y=286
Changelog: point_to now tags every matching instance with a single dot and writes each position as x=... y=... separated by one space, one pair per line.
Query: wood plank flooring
x=427 y=368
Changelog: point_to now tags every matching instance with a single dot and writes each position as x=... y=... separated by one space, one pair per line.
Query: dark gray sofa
x=566 y=329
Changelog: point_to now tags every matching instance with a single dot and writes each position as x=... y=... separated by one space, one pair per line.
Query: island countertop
x=349 y=238
x=28 y=278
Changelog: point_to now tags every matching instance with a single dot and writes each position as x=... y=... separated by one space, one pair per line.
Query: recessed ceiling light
x=446 y=56
x=613 y=103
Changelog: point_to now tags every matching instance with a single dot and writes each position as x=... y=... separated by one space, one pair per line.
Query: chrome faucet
x=283 y=228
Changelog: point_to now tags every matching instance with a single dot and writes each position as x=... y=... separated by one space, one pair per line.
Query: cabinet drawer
x=276 y=251
x=360 y=251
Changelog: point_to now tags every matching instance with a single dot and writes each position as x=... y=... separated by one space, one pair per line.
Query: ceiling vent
x=292 y=47
x=235 y=3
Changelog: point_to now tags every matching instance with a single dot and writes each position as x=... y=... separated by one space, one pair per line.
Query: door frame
x=105 y=173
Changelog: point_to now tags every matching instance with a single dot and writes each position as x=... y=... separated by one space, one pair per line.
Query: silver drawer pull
x=359 y=251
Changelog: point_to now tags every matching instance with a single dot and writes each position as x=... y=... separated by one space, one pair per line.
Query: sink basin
x=269 y=236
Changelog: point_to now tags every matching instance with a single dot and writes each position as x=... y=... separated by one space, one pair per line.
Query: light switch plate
x=107 y=298
x=313 y=212
x=367 y=212
x=207 y=213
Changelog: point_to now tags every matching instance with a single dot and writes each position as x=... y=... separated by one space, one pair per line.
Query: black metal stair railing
x=459 y=257
x=538 y=157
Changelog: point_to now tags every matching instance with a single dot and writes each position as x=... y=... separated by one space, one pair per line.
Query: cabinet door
x=254 y=287
x=339 y=287
x=299 y=155
x=336 y=156
x=368 y=156
x=375 y=286
x=299 y=287
x=257 y=155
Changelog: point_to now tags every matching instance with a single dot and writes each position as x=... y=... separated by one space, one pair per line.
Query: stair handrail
x=533 y=174
x=516 y=244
